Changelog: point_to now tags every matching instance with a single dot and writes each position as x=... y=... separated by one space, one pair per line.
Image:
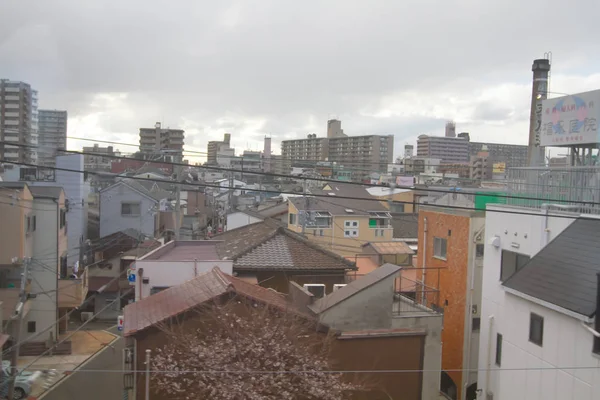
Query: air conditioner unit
x=317 y=289
x=338 y=286
x=86 y=316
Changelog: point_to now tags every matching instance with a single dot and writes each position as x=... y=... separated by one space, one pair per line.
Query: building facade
x=310 y=149
x=18 y=121
x=216 y=147
x=158 y=140
x=449 y=150
x=364 y=154
x=514 y=155
x=97 y=159
x=52 y=136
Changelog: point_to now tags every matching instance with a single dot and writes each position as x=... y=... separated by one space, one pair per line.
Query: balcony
x=413 y=298
x=380 y=220
x=72 y=292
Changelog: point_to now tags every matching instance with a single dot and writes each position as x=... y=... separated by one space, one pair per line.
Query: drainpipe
x=546 y=208
x=140 y=281
x=424 y=254
x=489 y=366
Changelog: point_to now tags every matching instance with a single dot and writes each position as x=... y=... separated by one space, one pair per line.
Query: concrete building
x=451 y=246
x=539 y=334
x=409 y=150
x=334 y=129
x=481 y=167
x=450 y=129
x=310 y=149
x=514 y=155
x=448 y=149
x=421 y=165
x=158 y=140
x=18 y=121
x=364 y=154
x=52 y=127
x=97 y=160
x=216 y=147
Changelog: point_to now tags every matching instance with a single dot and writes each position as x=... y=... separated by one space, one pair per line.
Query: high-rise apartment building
x=52 y=136
x=449 y=150
x=98 y=158
x=161 y=141
x=513 y=155
x=450 y=129
x=216 y=147
x=311 y=149
x=408 y=150
x=18 y=121
x=334 y=129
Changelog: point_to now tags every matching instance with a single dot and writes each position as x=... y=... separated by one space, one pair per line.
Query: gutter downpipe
x=546 y=208
x=489 y=366
x=423 y=272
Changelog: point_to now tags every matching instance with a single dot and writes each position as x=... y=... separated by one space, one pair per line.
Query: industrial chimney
x=539 y=92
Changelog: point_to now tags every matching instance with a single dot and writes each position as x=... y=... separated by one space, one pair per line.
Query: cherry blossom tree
x=249 y=352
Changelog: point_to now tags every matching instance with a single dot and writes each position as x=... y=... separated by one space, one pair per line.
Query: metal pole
x=305 y=209
x=178 y=199
x=147 y=392
x=18 y=328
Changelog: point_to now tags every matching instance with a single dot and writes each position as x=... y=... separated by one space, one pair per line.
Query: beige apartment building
x=158 y=140
x=18 y=121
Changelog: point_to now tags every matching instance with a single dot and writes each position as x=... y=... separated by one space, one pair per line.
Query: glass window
x=536 y=329
x=130 y=209
x=511 y=262
x=440 y=247
x=498 y=349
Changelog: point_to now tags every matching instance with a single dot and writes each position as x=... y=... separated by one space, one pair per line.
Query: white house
x=174 y=263
x=540 y=294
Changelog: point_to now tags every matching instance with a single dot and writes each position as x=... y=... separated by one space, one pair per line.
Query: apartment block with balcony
x=339 y=224
x=450 y=150
x=52 y=127
x=364 y=154
x=158 y=140
x=311 y=149
x=216 y=148
x=18 y=121
x=99 y=158
x=514 y=155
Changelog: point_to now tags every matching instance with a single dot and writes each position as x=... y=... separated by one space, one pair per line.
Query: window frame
x=498 y=360
x=292 y=219
x=533 y=318
x=31 y=326
x=517 y=265
x=443 y=244
x=350 y=233
x=351 y=224
x=130 y=203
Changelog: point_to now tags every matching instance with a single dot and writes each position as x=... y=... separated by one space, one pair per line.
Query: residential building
x=451 y=244
x=395 y=252
x=215 y=148
x=334 y=129
x=98 y=158
x=409 y=151
x=482 y=167
x=394 y=199
x=311 y=149
x=175 y=263
x=245 y=217
x=128 y=204
x=122 y=165
x=374 y=306
x=271 y=255
x=364 y=154
x=52 y=137
x=249 y=162
x=421 y=165
x=157 y=140
x=514 y=155
x=341 y=219
x=74 y=182
x=447 y=149
x=450 y=129
x=18 y=121
x=539 y=333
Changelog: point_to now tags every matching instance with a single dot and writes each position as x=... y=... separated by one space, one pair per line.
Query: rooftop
x=185 y=250
x=178 y=299
x=340 y=199
x=267 y=245
x=384 y=248
x=381 y=191
x=564 y=273
x=48 y=192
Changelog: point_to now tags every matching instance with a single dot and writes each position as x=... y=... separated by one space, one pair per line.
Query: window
x=536 y=329
x=318 y=232
x=440 y=247
x=157 y=289
x=379 y=232
x=596 y=349
x=130 y=209
x=63 y=267
x=350 y=224
x=351 y=233
x=498 y=349
x=511 y=262
x=479 y=250
x=31 y=327
x=292 y=219
x=397 y=208
x=63 y=218
x=476 y=324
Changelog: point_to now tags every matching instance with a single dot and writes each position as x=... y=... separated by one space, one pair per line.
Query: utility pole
x=147 y=391
x=17 y=328
x=178 y=198
x=305 y=209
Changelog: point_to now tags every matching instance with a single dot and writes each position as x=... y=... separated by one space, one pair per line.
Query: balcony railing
x=72 y=292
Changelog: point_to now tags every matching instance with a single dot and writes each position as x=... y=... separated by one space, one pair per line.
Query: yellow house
x=341 y=218
x=404 y=198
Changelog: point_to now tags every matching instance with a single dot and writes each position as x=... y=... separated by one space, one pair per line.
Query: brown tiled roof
x=361 y=202
x=265 y=246
x=178 y=299
x=390 y=247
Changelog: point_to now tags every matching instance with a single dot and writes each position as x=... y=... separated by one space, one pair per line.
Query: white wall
x=173 y=273
x=239 y=219
x=112 y=221
x=565 y=343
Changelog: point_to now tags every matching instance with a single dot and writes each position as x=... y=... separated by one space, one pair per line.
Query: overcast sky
x=282 y=68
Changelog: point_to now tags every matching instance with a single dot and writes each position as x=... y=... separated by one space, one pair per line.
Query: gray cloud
x=226 y=66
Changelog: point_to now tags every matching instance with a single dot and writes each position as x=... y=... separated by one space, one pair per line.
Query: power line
x=221 y=169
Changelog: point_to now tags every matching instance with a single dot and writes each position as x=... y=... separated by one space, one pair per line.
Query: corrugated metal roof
x=390 y=247
x=564 y=272
x=354 y=287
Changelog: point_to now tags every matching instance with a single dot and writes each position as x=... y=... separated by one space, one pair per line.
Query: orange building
x=451 y=258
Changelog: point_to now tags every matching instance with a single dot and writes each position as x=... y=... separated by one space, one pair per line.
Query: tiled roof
x=178 y=299
x=390 y=247
x=275 y=210
x=354 y=287
x=266 y=245
x=406 y=226
x=360 y=201
x=564 y=272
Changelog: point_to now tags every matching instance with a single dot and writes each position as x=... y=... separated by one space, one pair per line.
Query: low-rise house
x=267 y=253
x=398 y=253
x=341 y=219
x=372 y=306
x=394 y=199
x=540 y=330
x=249 y=216
x=174 y=263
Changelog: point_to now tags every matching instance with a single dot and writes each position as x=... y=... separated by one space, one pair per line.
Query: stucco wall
x=239 y=219
x=112 y=221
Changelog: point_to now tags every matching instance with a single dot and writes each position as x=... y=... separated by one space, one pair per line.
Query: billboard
x=571 y=120
x=499 y=168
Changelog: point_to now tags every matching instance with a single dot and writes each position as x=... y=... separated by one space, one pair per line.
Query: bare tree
x=244 y=351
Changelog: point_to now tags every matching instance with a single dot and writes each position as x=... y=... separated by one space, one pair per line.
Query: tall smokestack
x=539 y=92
